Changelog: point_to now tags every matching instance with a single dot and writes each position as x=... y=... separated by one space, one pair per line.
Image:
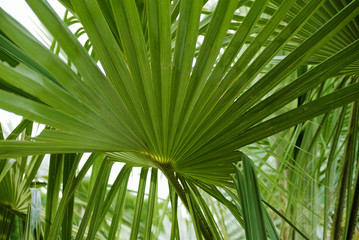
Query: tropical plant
x=199 y=90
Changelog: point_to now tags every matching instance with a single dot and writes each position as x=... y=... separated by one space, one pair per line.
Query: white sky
x=23 y=13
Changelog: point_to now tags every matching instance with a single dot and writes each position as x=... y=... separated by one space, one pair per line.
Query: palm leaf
x=175 y=86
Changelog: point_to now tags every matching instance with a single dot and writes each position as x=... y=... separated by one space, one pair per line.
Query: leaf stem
x=172 y=178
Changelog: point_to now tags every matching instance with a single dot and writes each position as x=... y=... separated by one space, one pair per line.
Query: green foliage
x=248 y=109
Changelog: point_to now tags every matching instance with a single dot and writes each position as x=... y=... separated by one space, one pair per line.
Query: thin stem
x=181 y=192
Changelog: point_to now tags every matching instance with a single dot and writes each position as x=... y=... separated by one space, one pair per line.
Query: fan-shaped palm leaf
x=154 y=98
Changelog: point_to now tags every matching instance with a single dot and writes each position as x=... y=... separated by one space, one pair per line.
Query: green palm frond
x=145 y=125
x=16 y=179
x=180 y=87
